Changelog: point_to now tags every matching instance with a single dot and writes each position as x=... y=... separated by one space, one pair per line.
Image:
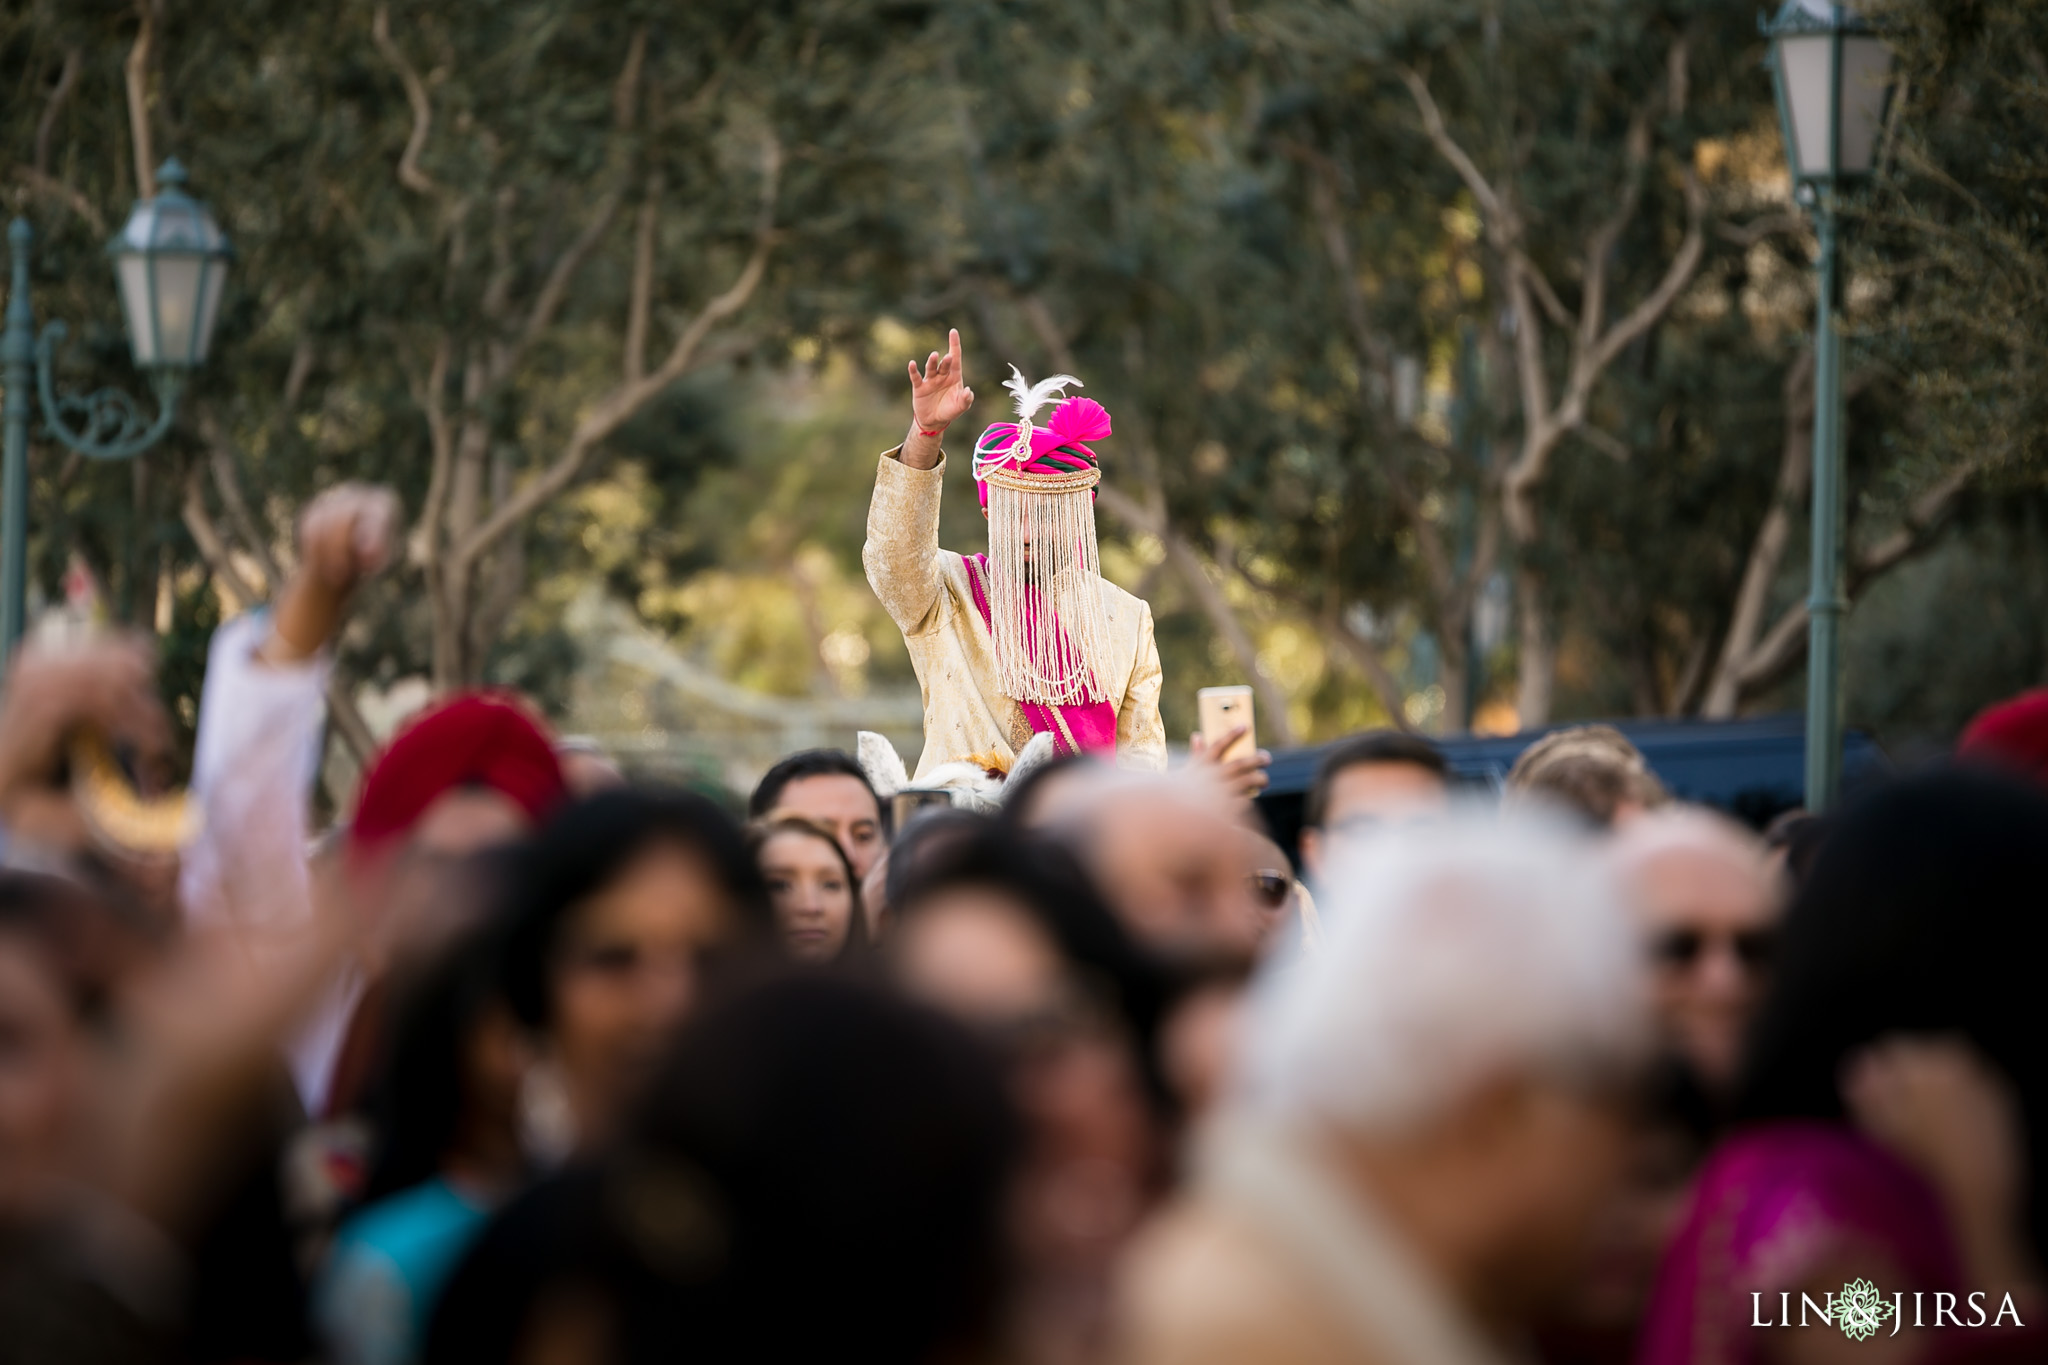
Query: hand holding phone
x=1225 y=711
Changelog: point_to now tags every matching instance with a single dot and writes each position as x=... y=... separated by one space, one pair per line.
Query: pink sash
x=1082 y=728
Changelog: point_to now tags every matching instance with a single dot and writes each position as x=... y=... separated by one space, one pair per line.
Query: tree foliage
x=1457 y=350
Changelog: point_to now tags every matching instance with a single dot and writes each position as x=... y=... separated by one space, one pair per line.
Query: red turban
x=476 y=739
x=2013 y=732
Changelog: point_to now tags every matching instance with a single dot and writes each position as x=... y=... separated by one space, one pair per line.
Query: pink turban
x=1057 y=448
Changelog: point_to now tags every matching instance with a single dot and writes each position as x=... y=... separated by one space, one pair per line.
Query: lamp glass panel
x=131 y=270
x=177 y=305
x=1866 y=76
x=214 y=281
x=1806 y=68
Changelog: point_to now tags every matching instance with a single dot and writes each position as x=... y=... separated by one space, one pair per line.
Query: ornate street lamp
x=1833 y=77
x=170 y=266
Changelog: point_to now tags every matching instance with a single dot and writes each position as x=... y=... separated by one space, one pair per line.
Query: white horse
x=968 y=785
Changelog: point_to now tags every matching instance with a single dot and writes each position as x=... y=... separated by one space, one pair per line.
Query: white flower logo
x=1860 y=1310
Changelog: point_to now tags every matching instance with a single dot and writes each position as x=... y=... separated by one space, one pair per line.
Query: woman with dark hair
x=445 y=1111
x=1895 y=1098
x=819 y=1172
x=1005 y=931
x=614 y=907
x=811 y=889
x=973 y=881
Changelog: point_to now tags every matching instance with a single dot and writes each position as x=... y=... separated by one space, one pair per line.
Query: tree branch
x=432 y=396
x=626 y=90
x=617 y=407
x=1757 y=229
x=1209 y=596
x=135 y=71
x=641 y=301
x=1767 y=550
x=1503 y=222
x=1322 y=198
x=1600 y=246
x=46 y=126
x=1360 y=651
x=1544 y=426
x=1365 y=656
x=1677 y=275
x=409 y=173
x=1553 y=306
x=1785 y=646
x=349 y=725
x=1376 y=353
x=61 y=194
x=223 y=461
x=1924 y=516
x=625 y=113
x=213 y=547
x=1606 y=442
x=1500 y=219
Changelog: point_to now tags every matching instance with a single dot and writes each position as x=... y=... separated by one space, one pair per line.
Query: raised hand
x=939 y=396
x=345 y=535
x=1240 y=778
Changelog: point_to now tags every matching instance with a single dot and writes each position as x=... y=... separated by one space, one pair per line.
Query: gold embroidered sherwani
x=926 y=592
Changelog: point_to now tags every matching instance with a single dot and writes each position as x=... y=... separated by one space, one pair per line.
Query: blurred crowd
x=517 y=1060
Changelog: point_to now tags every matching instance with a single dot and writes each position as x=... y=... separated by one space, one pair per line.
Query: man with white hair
x=1428 y=1118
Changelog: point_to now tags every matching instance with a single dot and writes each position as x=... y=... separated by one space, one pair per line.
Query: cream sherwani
x=926 y=592
x=1272 y=1257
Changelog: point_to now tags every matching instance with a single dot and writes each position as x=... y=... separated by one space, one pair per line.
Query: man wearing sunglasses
x=1708 y=901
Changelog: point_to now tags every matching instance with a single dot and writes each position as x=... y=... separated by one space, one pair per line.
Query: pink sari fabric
x=1085 y=728
x=1772 y=1206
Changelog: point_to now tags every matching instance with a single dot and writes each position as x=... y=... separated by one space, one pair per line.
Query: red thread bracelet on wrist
x=922 y=432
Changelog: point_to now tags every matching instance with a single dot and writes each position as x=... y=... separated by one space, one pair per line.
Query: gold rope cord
x=121 y=818
x=1041 y=550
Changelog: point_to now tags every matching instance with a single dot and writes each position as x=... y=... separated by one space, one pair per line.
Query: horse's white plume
x=1031 y=397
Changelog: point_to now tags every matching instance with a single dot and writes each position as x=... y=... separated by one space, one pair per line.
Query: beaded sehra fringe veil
x=1045 y=573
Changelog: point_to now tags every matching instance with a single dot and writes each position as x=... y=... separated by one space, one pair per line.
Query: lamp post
x=1833 y=74
x=170 y=265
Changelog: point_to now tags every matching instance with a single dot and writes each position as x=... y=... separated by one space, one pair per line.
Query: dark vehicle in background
x=1752 y=769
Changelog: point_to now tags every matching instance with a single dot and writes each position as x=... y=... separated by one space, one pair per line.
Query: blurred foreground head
x=615 y=909
x=1465 y=1045
x=473 y=771
x=1922 y=917
x=818 y=1174
x=1172 y=860
x=1708 y=900
x=48 y=988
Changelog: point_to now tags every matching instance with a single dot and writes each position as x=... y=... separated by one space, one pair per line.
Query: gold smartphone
x=1223 y=709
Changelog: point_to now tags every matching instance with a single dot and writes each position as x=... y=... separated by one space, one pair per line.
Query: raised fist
x=346 y=534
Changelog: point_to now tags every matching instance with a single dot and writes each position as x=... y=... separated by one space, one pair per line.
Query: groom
x=1028 y=638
